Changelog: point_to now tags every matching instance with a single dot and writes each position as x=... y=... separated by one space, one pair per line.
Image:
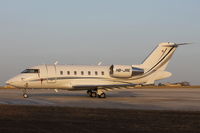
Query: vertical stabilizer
x=160 y=57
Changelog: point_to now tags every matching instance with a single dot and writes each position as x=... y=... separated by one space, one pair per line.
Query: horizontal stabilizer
x=175 y=44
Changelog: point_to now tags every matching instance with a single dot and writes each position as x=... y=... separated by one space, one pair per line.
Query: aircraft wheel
x=89 y=92
x=25 y=95
x=103 y=95
x=93 y=94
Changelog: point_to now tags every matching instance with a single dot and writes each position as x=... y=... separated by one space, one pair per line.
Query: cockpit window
x=31 y=71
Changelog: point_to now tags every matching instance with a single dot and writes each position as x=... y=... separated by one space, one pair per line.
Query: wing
x=103 y=87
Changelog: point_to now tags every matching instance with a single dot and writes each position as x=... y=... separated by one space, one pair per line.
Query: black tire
x=25 y=95
x=89 y=92
x=93 y=94
x=103 y=95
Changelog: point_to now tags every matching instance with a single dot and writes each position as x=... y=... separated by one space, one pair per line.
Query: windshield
x=31 y=71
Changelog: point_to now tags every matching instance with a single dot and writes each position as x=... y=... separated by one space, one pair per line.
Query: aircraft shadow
x=118 y=95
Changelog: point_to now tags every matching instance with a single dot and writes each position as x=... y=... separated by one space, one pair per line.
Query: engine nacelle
x=125 y=71
x=137 y=71
x=121 y=71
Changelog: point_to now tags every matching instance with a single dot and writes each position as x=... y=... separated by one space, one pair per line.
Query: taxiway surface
x=186 y=99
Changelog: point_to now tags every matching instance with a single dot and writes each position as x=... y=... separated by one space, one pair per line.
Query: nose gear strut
x=25 y=95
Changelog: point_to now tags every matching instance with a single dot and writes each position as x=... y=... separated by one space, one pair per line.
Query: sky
x=86 y=32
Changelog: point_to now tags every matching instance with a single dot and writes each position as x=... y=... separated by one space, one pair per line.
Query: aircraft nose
x=12 y=81
x=8 y=82
x=15 y=81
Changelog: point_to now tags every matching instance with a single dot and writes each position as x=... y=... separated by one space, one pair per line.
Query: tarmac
x=181 y=99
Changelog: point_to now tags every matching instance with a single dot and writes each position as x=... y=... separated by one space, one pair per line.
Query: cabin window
x=102 y=73
x=31 y=71
x=96 y=73
x=75 y=72
x=89 y=73
x=82 y=73
x=61 y=72
x=68 y=72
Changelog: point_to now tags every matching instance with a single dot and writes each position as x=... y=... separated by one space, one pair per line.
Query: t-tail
x=156 y=63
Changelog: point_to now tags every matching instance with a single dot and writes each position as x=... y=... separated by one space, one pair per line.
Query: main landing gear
x=96 y=93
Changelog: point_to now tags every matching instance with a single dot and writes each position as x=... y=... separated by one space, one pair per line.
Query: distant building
x=185 y=83
x=175 y=84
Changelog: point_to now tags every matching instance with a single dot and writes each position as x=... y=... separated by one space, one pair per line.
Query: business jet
x=96 y=80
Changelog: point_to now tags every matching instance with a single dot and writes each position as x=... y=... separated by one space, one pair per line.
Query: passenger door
x=51 y=74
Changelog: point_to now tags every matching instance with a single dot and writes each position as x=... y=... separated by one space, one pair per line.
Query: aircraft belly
x=93 y=82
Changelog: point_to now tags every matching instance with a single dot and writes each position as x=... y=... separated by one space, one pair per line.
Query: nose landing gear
x=25 y=95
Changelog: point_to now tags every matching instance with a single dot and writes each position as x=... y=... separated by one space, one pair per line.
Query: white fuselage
x=67 y=76
x=74 y=77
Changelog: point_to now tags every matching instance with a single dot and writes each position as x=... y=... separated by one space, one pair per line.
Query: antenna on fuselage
x=56 y=63
x=99 y=64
